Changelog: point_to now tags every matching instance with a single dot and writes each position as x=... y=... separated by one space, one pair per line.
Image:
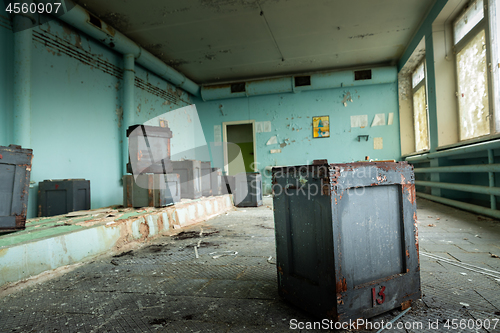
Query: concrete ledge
x=49 y=243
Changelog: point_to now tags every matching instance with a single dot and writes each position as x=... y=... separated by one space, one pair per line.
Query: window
x=420 y=116
x=470 y=39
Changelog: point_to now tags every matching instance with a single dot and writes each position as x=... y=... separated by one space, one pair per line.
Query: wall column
x=22 y=81
x=128 y=103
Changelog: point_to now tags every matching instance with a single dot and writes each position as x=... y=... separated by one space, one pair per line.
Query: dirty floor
x=231 y=287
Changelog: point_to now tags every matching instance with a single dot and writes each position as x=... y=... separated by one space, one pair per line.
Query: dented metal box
x=248 y=191
x=228 y=184
x=149 y=149
x=15 y=169
x=151 y=190
x=206 y=185
x=61 y=196
x=190 y=176
x=216 y=181
x=346 y=238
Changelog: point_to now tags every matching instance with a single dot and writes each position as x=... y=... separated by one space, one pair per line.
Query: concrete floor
x=163 y=287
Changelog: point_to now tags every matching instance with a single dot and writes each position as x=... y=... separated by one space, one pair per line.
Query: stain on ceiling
x=213 y=41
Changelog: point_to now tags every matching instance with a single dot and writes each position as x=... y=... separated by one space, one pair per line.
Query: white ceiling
x=225 y=40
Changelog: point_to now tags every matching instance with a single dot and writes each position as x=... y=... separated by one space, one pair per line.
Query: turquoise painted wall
x=76 y=109
x=6 y=78
x=291 y=118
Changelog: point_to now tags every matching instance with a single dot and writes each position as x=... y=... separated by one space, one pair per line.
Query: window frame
x=484 y=24
x=422 y=83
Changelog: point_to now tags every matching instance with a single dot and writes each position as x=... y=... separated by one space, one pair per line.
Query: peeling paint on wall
x=119 y=116
x=347 y=97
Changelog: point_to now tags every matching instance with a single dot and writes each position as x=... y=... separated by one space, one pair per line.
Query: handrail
x=462 y=205
x=473 y=148
x=461 y=187
x=460 y=168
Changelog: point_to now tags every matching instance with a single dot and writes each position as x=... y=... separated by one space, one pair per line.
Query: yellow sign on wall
x=321 y=127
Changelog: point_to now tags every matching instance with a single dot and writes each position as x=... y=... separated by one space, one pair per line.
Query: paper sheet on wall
x=272 y=141
x=262 y=126
x=359 y=121
x=275 y=151
x=378 y=143
x=217 y=134
x=379 y=120
x=267 y=126
x=390 y=120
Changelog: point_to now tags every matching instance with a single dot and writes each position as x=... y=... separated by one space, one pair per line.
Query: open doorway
x=242 y=136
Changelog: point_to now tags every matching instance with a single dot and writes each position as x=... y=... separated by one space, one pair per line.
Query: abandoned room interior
x=250 y=166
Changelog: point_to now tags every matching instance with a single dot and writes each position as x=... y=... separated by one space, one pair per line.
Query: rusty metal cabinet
x=149 y=149
x=151 y=190
x=190 y=176
x=346 y=238
x=61 y=196
x=216 y=181
x=206 y=185
x=228 y=184
x=15 y=169
x=248 y=192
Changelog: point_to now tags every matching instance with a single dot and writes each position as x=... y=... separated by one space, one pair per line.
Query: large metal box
x=61 y=196
x=149 y=149
x=15 y=169
x=346 y=238
x=190 y=175
x=228 y=184
x=216 y=181
x=151 y=190
x=248 y=191
x=206 y=185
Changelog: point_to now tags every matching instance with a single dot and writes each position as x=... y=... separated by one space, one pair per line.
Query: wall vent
x=238 y=87
x=61 y=46
x=95 y=21
x=301 y=81
x=363 y=75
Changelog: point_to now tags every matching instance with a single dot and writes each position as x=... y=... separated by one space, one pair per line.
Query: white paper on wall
x=217 y=134
x=262 y=126
x=390 y=120
x=275 y=151
x=379 y=120
x=359 y=121
x=378 y=143
x=266 y=126
x=272 y=141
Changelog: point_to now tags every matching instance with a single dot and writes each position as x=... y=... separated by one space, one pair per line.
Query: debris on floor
x=163 y=287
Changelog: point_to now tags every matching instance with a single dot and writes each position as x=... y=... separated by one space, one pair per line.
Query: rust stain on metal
x=407 y=253
x=280 y=270
x=20 y=221
x=341 y=286
x=409 y=190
